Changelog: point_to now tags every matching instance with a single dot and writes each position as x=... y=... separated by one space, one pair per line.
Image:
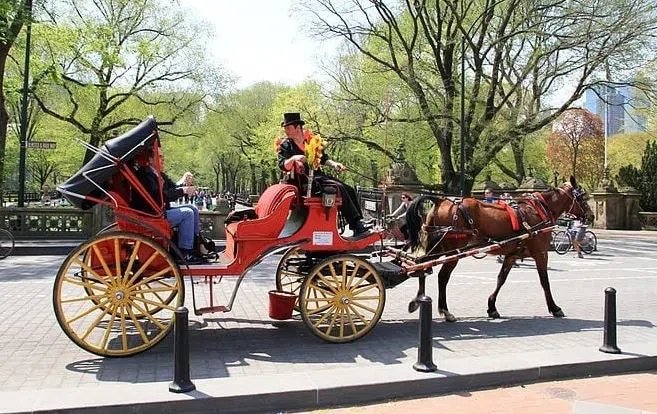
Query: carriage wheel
x=130 y=278
x=561 y=242
x=342 y=298
x=291 y=272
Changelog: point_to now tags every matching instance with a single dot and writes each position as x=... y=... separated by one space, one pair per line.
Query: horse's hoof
x=449 y=317
x=558 y=314
x=494 y=314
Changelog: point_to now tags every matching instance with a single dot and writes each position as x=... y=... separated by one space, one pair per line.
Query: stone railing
x=648 y=220
x=71 y=223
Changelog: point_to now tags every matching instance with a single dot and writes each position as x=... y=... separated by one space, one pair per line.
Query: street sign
x=42 y=144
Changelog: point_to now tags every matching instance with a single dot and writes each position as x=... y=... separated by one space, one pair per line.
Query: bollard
x=609 y=343
x=181 y=381
x=424 y=359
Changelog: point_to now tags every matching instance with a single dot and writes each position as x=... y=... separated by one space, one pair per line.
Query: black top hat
x=292 y=118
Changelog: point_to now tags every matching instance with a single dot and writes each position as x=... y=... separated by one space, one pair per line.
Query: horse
x=453 y=223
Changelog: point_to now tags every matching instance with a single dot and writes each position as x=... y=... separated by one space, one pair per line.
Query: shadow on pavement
x=221 y=345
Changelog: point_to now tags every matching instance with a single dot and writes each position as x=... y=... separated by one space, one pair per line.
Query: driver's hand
x=298 y=158
x=339 y=167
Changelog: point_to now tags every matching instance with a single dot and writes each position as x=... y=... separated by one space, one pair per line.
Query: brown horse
x=456 y=224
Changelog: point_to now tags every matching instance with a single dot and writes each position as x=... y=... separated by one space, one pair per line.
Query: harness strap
x=542 y=208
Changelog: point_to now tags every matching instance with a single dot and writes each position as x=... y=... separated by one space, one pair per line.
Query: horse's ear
x=573 y=182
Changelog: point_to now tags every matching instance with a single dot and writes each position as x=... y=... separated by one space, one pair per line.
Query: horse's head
x=579 y=206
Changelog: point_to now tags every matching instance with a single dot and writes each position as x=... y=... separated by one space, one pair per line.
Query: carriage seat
x=135 y=221
x=271 y=211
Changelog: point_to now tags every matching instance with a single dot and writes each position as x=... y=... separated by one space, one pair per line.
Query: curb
x=329 y=388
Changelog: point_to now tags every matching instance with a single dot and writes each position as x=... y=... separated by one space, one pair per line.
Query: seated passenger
x=291 y=156
x=185 y=217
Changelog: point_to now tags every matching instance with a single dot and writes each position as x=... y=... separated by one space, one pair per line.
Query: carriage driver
x=185 y=217
x=291 y=156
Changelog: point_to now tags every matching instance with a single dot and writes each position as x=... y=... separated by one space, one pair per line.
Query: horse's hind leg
x=443 y=278
x=541 y=260
x=507 y=264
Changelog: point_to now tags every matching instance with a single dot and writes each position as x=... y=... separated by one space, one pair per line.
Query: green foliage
x=644 y=179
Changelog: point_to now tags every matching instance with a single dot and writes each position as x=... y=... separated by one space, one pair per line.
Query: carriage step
x=391 y=273
x=211 y=309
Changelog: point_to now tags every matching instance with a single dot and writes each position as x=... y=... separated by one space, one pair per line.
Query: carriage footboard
x=391 y=273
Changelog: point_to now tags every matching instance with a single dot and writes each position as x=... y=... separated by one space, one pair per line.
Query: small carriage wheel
x=289 y=273
x=342 y=298
x=561 y=242
x=6 y=243
x=131 y=277
x=590 y=242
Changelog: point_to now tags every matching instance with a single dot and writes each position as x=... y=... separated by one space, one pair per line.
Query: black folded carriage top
x=102 y=166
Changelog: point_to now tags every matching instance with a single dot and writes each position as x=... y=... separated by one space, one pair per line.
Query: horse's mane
x=414 y=217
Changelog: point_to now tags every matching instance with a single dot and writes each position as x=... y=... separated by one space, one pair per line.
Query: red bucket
x=281 y=304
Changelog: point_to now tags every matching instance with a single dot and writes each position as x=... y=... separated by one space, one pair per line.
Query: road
x=35 y=353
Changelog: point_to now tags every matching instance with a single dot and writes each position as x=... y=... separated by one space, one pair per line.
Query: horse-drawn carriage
x=116 y=293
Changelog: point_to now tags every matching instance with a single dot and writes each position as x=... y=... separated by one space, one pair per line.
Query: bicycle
x=562 y=241
x=7 y=243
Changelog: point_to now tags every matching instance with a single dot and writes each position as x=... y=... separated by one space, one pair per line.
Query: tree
x=102 y=55
x=645 y=179
x=517 y=53
x=576 y=146
x=13 y=15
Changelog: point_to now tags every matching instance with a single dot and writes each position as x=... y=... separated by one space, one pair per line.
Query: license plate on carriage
x=322 y=238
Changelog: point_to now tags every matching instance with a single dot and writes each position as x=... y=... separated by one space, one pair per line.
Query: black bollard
x=609 y=343
x=181 y=381
x=424 y=359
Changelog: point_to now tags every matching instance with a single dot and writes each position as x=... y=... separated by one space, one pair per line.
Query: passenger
x=488 y=196
x=185 y=217
x=291 y=156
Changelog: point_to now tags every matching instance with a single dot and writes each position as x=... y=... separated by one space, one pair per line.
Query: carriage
x=116 y=294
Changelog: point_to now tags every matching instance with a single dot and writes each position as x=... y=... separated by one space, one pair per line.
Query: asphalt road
x=35 y=353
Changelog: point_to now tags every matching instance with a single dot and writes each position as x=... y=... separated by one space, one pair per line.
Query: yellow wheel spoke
x=93 y=298
x=149 y=316
x=362 y=278
x=326 y=315
x=124 y=334
x=131 y=261
x=333 y=274
x=320 y=309
x=98 y=278
x=117 y=257
x=333 y=319
x=357 y=298
x=150 y=302
x=151 y=278
x=102 y=260
x=143 y=335
x=85 y=284
x=154 y=290
x=141 y=270
x=95 y=323
x=351 y=321
x=318 y=300
x=103 y=344
x=87 y=312
x=358 y=315
x=325 y=292
x=341 y=323
x=367 y=308
x=363 y=289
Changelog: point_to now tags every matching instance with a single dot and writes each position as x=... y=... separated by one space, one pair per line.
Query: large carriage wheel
x=109 y=289
x=342 y=298
x=291 y=272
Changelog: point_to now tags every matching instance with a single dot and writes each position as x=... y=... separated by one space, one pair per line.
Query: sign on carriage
x=42 y=144
x=322 y=238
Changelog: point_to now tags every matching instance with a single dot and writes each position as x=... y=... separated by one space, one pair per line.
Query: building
x=623 y=108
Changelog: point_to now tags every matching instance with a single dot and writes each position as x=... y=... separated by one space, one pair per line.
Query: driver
x=291 y=157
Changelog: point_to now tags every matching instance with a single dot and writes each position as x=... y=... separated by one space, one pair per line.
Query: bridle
x=575 y=199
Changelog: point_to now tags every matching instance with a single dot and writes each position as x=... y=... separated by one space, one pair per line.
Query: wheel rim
x=6 y=243
x=342 y=299
x=291 y=272
x=561 y=242
x=109 y=289
x=588 y=244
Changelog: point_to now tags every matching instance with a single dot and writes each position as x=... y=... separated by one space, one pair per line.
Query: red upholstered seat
x=272 y=211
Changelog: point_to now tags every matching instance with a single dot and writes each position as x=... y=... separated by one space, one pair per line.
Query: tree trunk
x=4 y=116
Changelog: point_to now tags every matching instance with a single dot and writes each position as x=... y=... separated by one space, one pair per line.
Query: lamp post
x=23 y=147
x=556 y=178
x=462 y=129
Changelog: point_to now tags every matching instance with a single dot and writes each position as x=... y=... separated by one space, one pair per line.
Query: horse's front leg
x=507 y=264
x=541 y=260
x=443 y=278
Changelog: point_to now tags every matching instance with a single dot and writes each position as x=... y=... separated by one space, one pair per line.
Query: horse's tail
x=414 y=218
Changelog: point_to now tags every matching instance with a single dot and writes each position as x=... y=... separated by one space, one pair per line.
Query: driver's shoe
x=190 y=258
x=358 y=228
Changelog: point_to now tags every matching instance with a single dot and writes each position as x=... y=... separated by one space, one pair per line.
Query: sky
x=250 y=36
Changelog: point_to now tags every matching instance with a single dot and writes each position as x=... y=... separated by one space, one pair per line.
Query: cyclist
x=577 y=228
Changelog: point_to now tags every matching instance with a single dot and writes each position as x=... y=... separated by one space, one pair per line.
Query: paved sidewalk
x=244 y=362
